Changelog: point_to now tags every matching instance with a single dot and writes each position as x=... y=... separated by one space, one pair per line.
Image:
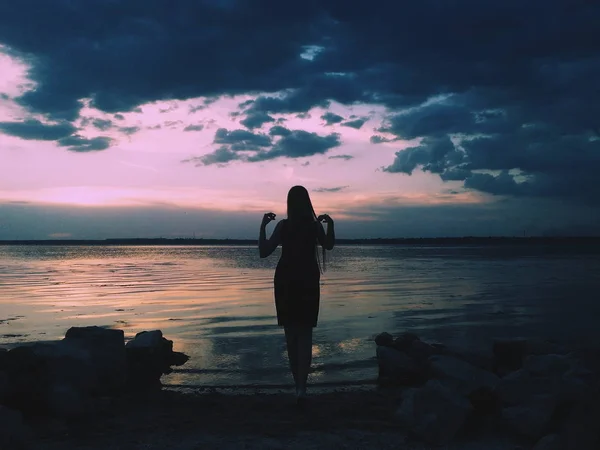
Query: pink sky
x=148 y=170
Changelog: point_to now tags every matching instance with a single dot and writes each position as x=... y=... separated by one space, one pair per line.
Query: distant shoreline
x=467 y=240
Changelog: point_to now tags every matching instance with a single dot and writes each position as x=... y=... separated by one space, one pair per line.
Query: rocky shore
x=92 y=390
x=75 y=378
x=535 y=389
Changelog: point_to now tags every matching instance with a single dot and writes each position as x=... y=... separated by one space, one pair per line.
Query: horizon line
x=338 y=240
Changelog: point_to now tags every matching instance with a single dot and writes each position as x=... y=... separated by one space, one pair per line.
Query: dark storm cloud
x=344 y=157
x=278 y=130
x=333 y=189
x=129 y=130
x=512 y=85
x=290 y=144
x=331 y=118
x=502 y=184
x=379 y=139
x=436 y=119
x=198 y=127
x=36 y=130
x=102 y=49
x=356 y=124
x=433 y=154
x=222 y=155
x=241 y=138
x=299 y=144
x=102 y=124
x=256 y=120
x=78 y=143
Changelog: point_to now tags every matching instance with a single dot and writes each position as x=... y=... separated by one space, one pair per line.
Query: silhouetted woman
x=297 y=276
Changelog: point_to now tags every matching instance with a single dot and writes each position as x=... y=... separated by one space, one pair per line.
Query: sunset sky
x=123 y=118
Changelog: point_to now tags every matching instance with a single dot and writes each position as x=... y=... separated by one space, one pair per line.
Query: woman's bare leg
x=304 y=357
x=291 y=339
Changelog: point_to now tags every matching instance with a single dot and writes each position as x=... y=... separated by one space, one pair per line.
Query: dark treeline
x=468 y=240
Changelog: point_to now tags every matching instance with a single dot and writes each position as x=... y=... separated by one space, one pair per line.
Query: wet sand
x=349 y=418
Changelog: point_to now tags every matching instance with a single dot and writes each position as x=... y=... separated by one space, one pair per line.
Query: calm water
x=216 y=303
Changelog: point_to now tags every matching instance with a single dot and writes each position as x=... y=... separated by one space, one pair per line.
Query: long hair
x=299 y=208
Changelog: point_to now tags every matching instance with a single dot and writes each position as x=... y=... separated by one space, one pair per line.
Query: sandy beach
x=348 y=418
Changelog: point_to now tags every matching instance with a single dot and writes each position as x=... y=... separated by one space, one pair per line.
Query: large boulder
x=4 y=384
x=579 y=430
x=404 y=341
x=531 y=418
x=149 y=356
x=396 y=367
x=28 y=380
x=421 y=351
x=460 y=375
x=549 y=442
x=476 y=355
x=13 y=432
x=576 y=385
x=385 y=339
x=510 y=354
x=549 y=365
x=68 y=363
x=66 y=401
x=558 y=375
x=434 y=413
x=520 y=386
x=106 y=348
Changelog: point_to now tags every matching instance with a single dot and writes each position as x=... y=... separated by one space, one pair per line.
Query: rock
x=107 y=352
x=482 y=358
x=13 y=432
x=28 y=380
x=576 y=385
x=460 y=375
x=178 y=359
x=421 y=351
x=399 y=368
x=149 y=356
x=509 y=353
x=531 y=418
x=385 y=339
x=545 y=347
x=580 y=430
x=484 y=401
x=549 y=442
x=68 y=363
x=434 y=413
x=520 y=386
x=146 y=339
x=65 y=401
x=548 y=365
x=404 y=341
x=4 y=384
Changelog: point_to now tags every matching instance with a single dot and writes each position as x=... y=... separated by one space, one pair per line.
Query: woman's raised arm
x=268 y=246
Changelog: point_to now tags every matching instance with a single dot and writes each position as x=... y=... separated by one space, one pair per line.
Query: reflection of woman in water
x=297 y=276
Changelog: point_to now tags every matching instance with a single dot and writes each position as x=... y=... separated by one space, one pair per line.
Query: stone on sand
x=433 y=412
x=460 y=375
x=532 y=417
x=396 y=366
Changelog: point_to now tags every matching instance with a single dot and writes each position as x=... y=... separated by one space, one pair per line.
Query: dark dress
x=297 y=275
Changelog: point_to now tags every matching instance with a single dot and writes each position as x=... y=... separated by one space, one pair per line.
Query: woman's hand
x=325 y=218
x=267 y=218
